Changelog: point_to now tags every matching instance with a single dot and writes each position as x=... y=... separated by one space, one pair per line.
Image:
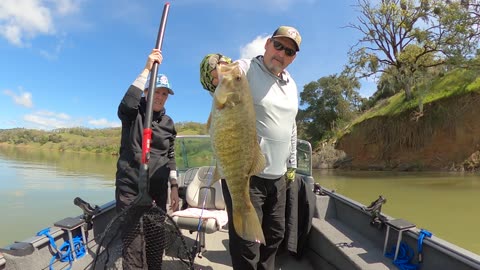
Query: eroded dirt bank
x=445 y=137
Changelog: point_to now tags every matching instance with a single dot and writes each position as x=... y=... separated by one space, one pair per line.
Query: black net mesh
x=142 y=238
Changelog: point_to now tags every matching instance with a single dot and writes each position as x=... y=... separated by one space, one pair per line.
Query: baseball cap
x=289 y=32
x=208 y=64
x=162 y=81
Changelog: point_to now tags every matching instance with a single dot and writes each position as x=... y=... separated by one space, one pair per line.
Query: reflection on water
x=37 y=188
x=63 y=162
x=444 y=203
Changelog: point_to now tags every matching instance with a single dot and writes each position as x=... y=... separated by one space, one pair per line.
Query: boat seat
x=205 y=212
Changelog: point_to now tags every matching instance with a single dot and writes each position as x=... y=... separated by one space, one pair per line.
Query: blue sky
x=68 y=63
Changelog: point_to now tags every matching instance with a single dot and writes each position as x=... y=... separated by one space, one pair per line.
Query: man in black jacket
x=162 y=166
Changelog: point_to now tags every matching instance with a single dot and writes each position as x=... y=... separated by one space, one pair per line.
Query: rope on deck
x=406 y=253
x=64 y=253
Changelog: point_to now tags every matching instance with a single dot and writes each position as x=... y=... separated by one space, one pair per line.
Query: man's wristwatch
x=173 y=185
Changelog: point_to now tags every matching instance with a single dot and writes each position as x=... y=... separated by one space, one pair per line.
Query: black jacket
x=131 y=112
x=299 y=213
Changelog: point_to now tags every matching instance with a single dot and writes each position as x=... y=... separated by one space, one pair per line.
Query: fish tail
x=247 y=225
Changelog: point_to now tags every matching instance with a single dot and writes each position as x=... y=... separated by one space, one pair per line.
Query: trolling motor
x=375 y=210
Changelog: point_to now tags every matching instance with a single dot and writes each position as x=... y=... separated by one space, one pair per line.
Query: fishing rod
x=196 y=249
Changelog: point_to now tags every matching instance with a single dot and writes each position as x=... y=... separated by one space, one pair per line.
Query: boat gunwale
x=439 y=244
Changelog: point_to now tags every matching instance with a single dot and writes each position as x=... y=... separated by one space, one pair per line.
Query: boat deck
x=217 y=256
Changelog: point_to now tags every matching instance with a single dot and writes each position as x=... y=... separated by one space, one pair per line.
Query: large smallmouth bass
x=235 y=146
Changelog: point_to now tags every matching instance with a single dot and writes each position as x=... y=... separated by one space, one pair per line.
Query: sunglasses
x=279 y=46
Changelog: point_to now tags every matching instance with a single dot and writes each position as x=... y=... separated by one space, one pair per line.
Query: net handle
x=143 y=183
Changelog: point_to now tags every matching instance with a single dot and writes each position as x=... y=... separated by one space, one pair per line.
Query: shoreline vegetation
x=435 y=130
x=78 y=139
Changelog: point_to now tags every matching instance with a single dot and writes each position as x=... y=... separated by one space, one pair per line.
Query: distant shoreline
x=58 y=149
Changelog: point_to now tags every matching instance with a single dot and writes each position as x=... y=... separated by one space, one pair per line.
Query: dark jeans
x=269 y=199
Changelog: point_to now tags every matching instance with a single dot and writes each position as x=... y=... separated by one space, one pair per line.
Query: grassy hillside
x=437 y=130
x=454 y=84
x=100 y=141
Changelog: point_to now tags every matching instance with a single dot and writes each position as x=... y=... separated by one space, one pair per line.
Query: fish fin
x=258 y=162
x=209 y=121
x=247 y=225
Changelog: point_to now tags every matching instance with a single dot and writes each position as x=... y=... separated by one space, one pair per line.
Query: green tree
x=55 y=138
x=82 y=139
x=401 y=37
x=390 y=81
x=330 y=102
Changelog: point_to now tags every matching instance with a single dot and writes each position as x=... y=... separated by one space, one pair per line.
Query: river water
x=37 y=189
x=445 y=204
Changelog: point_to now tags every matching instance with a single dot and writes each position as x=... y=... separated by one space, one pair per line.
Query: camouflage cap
x=289 y=32
x=208 y=64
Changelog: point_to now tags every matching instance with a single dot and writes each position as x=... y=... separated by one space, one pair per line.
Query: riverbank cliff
x=445 y=136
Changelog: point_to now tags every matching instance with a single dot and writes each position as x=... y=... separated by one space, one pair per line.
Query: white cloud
x=22 y=20
x=254 y=48
x=62 y=116
x=285 y=4
x=23 y=99
x=66 y=7
x=44 y=119
x=48 y=120
x=269 y=5
x=102 y=123
x=52 y=120
x=54 y=52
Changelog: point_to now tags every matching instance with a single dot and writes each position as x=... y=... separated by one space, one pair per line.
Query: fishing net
x=142 y=238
